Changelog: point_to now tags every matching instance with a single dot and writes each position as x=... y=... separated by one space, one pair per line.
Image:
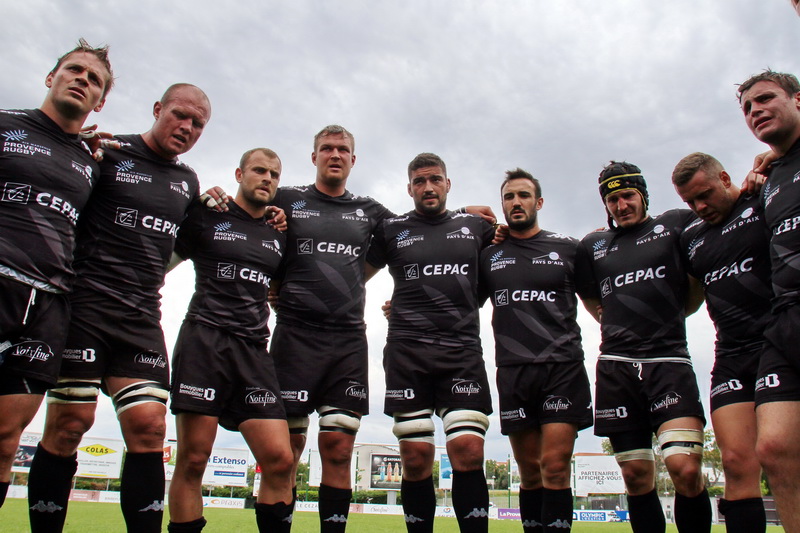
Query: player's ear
x=408 y=188
x=448 y=184
x=238 y=175
x=725 y=178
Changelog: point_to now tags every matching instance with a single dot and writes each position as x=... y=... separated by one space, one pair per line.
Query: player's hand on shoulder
x=500 y=233
x=215 y=198
x=277 y=218
x=483 y=211
x=755 y=178
x=763 y=162
x=98 y=141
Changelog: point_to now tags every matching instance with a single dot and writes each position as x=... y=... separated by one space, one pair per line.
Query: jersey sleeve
x=376 y=255
x=488 y=233
x=684 y=244
x=189 y=232
x=483 y=291
x=585 y=284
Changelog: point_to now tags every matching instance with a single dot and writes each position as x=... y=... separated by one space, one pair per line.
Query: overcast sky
x=557 y=88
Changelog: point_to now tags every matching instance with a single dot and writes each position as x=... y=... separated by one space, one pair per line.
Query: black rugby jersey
x=322 y=278
x=531 y=283
x=731 y=260
x=46 y=176
x=781 y=200
x=640 y=279
x=434 y=263
x=129 y=228
x=235 y=256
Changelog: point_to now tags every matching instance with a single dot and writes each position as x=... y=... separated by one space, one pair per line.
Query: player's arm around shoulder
x=585 y=283
x=694 y=295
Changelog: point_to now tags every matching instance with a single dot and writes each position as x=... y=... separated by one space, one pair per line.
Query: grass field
x=87 y=517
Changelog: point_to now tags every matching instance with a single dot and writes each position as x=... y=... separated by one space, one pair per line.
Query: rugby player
x=46 y=175
x=545 y=397
x=727 y=250
x=222 y=372
x=115 y=340
x=433 y=359
x=645 y=381
x=771 y=105
x=319 y=345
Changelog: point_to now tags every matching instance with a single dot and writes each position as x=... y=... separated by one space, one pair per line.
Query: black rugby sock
x=471 y=501
x=744 y=516
x=646 y=513
x=195 y=526
x=419 y=505
x=557 y=510
x=142 y=491
x=530 y=510
x=3 y=491
x=274 y=518
x=49 y=483
x=693 y=515
x=334 y=506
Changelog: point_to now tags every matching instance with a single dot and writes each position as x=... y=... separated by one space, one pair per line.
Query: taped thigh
x=138 y=394
x=416 y=426
x=681 y=442
x=641 y=454
x=458 y=422
x=336 y=419
x=74 y=391
x=632 y=446
x=298 y=425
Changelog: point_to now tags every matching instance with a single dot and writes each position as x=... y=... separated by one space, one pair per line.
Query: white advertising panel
x=100 y=457
x=598 y=474
x=227 y=467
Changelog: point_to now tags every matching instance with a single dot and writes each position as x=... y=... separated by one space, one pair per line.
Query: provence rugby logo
x=222 y=232
x=15 y=143
x=299 y=210
x=124 y=166
x=599 y=249
x=125 y=173
x=693 y=246
x=404 y=238
x=15 y=135
x=499 y=262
